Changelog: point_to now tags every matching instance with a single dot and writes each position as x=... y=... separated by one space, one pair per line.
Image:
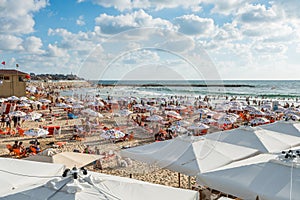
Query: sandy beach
x=54 y=115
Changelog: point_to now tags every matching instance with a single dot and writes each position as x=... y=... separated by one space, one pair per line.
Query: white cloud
x=195 y=25
x=225 y=7
x=9 y=42
x=17 y=16
x=55 y=51
x=33 y=45
x=116 y=24
x=123 y=5
x=258 y=14
x=80 y=21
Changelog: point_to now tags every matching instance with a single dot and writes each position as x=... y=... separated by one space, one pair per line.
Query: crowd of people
x=20 y=150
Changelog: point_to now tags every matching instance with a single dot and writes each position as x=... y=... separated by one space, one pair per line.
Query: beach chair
x=33 y=150
x=9 y=147
x=21 y=132
x=18 y=153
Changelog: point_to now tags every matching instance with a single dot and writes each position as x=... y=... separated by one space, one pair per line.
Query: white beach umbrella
x=125 y=112
x=69 y=159
x=44 y=101
x=259 y=121
x=264 y=177
x=173 y=114
x=33 y=116
x=91 y=113
x=23 y=105
x=23 y=98
x=17 y=114
x=188 y=154
x=257 y=138
x=77 y=106
x=112 y=134
x=154 y=118
x=36 y=132
x=2 y=100
x=202 y=111
x=198 y=126
x=13 y=98
x=27 y=180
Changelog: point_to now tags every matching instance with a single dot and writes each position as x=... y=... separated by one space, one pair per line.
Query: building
x=12 y=83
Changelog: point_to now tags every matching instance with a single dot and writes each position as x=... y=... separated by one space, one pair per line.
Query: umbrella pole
x=189 y=182
x=178 y=179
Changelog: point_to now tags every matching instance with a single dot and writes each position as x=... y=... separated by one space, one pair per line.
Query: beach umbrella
x=188 y=155
x=173 y=114
x=208 y=121
x=285 y=127
x=36 y=132
x=91 y=113
x=78 y=184
x=264 y=177
x=77 y=106
x=198 y=126
x=33 y=116
x=125 y=112
x=112 y=134
x=13 y=98
x=154 y=118
x=23 y=98
x=23 y=105
x=68 y=159
x=62 y=105
x=183 y=123
x=2 y=100
x=180 y=108
x=202 y=111
x=70 y=100
x=19 y=175
x=227 y=120
x=44 y=101
x=256 y=138
x=249 y=108
x=178 y=129
x=25 y=179
x=259 y=121
x=17 y=114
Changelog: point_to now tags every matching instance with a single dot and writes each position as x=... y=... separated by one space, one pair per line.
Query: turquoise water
x=279 y=89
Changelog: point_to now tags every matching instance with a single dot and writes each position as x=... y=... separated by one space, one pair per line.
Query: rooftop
x=11 y=71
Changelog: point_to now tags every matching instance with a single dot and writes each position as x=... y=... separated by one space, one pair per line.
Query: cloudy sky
x=114 y=39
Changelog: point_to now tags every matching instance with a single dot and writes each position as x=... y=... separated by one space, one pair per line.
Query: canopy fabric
x=17 y=175
x=256 y=138
x=263 y=176
x=188 y=154
x=286 y=127
x=101 y=187
x=69 y=159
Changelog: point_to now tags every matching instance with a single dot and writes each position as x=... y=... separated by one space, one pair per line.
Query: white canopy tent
x=188 y=154
x=69 y=159
x=17 y=175
x=263 y=176
x=256 y=138
x=286 y=127
x=20 y=185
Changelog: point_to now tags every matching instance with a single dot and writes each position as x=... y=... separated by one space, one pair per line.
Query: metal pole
x=178 y=179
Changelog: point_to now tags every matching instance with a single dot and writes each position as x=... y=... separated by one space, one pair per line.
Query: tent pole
x=178 y=179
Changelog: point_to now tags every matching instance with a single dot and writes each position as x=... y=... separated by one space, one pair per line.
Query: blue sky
x=193 y=39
